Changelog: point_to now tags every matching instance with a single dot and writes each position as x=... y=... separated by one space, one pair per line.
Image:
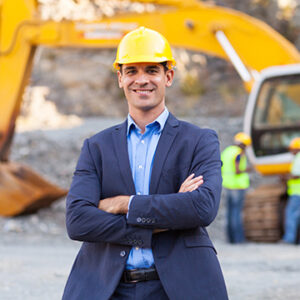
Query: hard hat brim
x=144 y=59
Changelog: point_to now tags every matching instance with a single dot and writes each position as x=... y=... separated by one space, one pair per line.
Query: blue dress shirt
x=141 y=151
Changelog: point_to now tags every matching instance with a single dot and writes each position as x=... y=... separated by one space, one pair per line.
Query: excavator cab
x=272 y=118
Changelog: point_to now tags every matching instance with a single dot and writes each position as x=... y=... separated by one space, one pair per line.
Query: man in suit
x=143 y=193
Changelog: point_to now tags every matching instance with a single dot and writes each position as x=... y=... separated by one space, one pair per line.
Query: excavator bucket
x=23 y=191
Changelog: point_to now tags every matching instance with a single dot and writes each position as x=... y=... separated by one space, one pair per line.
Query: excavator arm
x=248 y=43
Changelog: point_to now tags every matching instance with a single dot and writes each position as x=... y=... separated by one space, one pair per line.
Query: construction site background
x=73 y=94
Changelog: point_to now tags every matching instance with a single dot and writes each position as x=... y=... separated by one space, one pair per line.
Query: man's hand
x=115 y=205
x=191 y=183
x=119 y=204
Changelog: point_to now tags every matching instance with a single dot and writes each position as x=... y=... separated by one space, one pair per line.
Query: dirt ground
x=36 y=267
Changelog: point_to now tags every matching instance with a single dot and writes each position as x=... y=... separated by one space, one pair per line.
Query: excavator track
x=264 y=213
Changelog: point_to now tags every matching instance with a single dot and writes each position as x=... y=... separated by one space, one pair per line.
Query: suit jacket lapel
x=121 y=150
x=165 y=142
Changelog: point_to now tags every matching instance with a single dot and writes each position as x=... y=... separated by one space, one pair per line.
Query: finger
x=199 y=182
x=196 y=178
x=191 y=176
x=194 y=181
x=188 y=179
x=194 y=186
x=186 y=182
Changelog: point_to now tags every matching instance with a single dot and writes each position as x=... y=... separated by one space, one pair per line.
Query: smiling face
x=144 y=85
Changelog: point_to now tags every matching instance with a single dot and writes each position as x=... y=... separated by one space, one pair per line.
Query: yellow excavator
x=268 y=64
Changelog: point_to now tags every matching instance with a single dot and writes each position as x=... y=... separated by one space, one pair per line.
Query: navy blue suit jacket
x=184 y=256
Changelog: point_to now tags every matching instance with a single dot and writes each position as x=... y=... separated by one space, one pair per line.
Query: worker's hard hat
x=144 y=45
x=243 y=138
x=295 y=143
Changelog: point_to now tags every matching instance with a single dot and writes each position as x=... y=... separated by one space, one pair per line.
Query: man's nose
x=141 y=79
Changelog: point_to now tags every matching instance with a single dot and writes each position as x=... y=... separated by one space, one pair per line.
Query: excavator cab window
x=276 y=119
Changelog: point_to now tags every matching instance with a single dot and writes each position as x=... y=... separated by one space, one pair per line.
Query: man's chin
x=144 y=104
x=146 y=108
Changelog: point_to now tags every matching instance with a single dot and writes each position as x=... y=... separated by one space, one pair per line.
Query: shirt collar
x=160 y=120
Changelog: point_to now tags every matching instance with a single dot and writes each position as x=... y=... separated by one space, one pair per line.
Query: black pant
x=145 y=290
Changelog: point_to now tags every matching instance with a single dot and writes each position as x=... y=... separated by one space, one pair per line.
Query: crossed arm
x=193 y=205
x=115 y=228
x=119 y=204
x=86 y=222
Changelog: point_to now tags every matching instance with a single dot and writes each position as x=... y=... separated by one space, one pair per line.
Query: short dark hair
x=165 y=65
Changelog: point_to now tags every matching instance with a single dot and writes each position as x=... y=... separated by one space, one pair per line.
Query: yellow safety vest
x=232 y=180
x=293 y=185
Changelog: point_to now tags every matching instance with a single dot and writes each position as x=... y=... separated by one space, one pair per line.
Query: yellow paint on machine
x=273 y=169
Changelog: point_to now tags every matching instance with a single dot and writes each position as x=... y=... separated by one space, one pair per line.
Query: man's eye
x=130 y=72
x=152 y=71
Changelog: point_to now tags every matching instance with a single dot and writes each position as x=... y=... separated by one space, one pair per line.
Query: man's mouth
x=143 y=91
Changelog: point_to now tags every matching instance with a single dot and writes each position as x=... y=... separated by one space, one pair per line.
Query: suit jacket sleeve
x=85 y=221
x=190 y=209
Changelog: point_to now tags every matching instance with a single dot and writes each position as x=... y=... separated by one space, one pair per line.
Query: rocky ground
x=36 y=267
x=36 y=255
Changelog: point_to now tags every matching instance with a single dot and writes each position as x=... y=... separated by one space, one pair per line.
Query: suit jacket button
x=122 y=253
x=139 y=220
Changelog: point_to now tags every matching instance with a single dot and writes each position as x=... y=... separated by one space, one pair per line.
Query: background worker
x=137 y=199
x=292 y=211
x=236 y=182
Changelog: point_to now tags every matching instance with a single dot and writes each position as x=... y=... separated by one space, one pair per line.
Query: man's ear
x=169 y=77
x=120 y=79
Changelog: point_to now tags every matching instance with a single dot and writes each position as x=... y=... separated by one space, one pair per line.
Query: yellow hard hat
x=143 y=45
x=243 y=138
x=295 y=143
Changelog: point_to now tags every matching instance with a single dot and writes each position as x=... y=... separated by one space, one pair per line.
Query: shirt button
x=140 y=166
x=122 y=253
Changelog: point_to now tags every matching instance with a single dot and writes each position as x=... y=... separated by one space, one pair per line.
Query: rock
x=12 y=226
